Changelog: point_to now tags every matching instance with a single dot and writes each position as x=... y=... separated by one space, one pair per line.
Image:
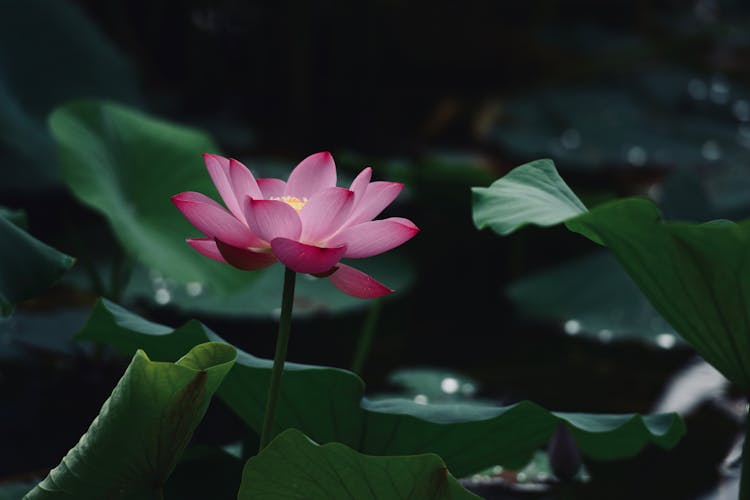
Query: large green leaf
x=293 y=466
x=534 y=194
x=67 y=57
x=695 y=275
x=27 y=266
x=127 y=165
x=133 y=445
x=328 y=405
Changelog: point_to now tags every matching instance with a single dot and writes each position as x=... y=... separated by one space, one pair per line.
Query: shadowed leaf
x=27 y=266
x=328 y=405
x=293 y=466
x=132 y=446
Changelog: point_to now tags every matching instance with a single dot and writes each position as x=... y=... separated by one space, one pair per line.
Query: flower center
x=292 y=201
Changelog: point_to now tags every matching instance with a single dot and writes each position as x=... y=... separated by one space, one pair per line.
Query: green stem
x=365 y=337
x=745 y=477
x=282 y=341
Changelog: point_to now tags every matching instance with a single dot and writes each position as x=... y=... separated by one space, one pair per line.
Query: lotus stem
x=282 y=342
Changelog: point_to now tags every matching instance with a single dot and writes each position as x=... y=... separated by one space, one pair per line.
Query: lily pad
x=595 y=298
x=135 y=442
x=537 y=476
x=16 y=489
x=27 y=266
x=434 y=385
x=50 y=332
x=653 y=119
x=293 y=466
x=126 y=165
x=328 y=405
x=17 y=217
x=693 y=274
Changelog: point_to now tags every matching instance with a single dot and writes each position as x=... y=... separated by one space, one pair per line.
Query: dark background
x=472 y=87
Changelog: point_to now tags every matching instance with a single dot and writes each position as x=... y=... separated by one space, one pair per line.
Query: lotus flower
x=306 y=223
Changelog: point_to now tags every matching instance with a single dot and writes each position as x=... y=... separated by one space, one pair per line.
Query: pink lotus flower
x=307 y=223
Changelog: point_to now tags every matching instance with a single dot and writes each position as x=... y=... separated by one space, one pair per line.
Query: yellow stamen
x=292 y=201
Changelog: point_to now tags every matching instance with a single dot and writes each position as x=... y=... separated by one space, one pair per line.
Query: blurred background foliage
x=629 y=98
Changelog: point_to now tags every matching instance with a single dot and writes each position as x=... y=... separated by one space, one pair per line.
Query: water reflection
x=570 y=139
x=449 y=385
x=572 y=327
x=719 y=91
x=605 y=335
x=691 y=387
x=637 y=156
x=697 y=89
x=162 y=296
x=743 y=133
x=711 y=150
x=194 y=288
x=468 y=389
x=741 y=110
x=666 y=340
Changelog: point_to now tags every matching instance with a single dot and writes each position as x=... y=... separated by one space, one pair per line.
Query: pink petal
x=243 y=258
x=206 y=247
x=357 y=284
x=374 y=237
x=313 y=174
x=272 y=188
x=243 y=182
x=325 y=212
x=359 y=184
x=272 y=219
x=306 y=258
x=379 y=194
x=213 y=220
x=218 y=169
